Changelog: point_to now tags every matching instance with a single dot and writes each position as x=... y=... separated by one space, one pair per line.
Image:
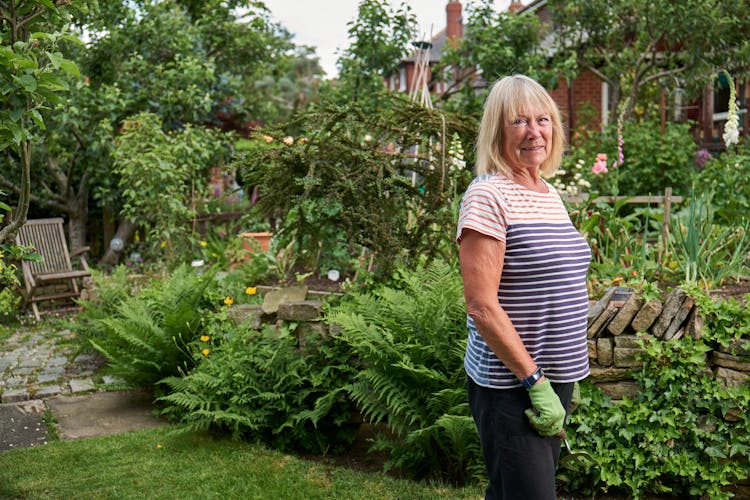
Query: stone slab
x=740 y=363
x=671 y=306
x=304 y=310
x=605 y=351
x=601 y=322
x=272 y=299
x=619 y=390
x=598 y=308
x=609 y=374
x=626 y=357
x=679 y=318
x=625 y=315
x=647 y=315
x=102 y=414
x=732 y=378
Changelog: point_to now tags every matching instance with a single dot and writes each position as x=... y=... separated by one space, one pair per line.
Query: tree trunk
x=125 y=230
x=78 y=212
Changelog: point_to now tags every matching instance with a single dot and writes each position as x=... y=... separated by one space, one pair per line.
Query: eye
x=520 y=121
x=544 y=119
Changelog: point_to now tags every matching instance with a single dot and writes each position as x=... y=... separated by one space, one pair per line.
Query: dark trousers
x=520 y=463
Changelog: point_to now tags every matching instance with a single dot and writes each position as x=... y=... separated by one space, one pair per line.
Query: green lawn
x=156 y=464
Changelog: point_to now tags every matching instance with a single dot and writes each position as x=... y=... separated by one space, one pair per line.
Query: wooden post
x=665 y=224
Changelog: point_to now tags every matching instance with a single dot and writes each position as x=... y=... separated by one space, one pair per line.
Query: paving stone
x=46 y=378
x=81 y=385
x=15 y=381
x=34 y=362
x=57 y=361
x=14 y=395
x=24 y=370
x=48 y=391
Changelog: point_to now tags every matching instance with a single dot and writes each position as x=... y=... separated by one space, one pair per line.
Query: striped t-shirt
x=543 y=283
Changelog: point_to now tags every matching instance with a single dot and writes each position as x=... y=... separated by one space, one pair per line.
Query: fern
x=410 y=338
x=260 y=386
x=145 y=338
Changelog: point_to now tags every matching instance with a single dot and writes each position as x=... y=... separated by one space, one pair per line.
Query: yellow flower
x=229 y=300
x=159 y=446
x=214 y=254
x=203 y=243
x=251 y=290
x=163 y=244
x=137 y=238
x=205 y=352
x=267 y=138
x=205 y=338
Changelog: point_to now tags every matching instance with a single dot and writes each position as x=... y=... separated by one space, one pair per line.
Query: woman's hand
x=547 y=415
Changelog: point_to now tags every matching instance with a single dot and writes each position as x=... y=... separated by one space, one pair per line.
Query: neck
x=530 y=179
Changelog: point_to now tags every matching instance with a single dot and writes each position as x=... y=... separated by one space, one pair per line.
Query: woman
x=524 y=270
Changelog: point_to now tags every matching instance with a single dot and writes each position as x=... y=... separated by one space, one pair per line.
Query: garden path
x=49 y=390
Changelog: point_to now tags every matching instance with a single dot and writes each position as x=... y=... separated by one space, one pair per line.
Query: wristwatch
x=532 y=379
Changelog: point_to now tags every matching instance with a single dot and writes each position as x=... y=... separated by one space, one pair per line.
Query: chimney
x=515 y=6
x=454 y=28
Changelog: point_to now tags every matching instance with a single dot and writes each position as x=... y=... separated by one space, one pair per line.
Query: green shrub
x=144 y=337
x=684 y=433
x=725 y=177
x=652 y=161
x=410 y=339
x=262 y=386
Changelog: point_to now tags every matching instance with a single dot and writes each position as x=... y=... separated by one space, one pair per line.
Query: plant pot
x=262 y=238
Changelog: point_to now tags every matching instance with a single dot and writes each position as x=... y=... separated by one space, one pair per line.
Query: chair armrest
x=79 y=251
x=81 y=254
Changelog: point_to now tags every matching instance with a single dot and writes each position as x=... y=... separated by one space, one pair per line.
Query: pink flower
x=600 y=167
x=601 y=157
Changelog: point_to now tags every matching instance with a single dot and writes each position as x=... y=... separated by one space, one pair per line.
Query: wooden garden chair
x=54 y=278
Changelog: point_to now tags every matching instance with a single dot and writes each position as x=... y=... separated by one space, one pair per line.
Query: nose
x=532 y=129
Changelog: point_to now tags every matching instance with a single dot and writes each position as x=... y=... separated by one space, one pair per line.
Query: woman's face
x=527 y=139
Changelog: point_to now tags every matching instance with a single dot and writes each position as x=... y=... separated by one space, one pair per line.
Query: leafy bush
x=652 y=161
x=725 y=178
x=381 y=181
x=410 y=339
x=260 y=385
x=144 y=337
x=684 y=433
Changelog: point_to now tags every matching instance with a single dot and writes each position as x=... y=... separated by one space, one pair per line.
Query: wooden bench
x=54 y=277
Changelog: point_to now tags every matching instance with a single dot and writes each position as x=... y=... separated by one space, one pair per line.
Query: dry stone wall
x=620 y=314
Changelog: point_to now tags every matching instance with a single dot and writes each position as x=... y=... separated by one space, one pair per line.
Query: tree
x=634 y=44
x=31 y=71
x=495 y=44
x=379 y=42
x=186 y=62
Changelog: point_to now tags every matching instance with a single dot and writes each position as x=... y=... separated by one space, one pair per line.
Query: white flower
x=731 y=129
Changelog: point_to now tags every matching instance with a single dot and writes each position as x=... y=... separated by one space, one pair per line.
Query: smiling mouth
x=533 y=148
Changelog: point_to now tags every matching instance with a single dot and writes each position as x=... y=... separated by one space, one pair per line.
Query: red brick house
x=587 y=91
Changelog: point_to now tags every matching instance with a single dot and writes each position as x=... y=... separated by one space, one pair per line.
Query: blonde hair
x=509 y=98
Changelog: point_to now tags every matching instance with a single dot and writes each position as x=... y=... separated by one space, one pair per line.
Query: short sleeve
x=483 y=210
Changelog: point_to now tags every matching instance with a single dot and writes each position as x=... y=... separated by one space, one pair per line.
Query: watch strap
x=532 y=379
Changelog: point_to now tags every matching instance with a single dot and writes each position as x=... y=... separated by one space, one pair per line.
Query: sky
x=322 y=23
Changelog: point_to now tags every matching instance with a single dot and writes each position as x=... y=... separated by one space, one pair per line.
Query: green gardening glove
x=548 y=414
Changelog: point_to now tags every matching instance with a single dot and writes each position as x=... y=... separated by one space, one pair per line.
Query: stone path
x=40 y=364
x=43 y=381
